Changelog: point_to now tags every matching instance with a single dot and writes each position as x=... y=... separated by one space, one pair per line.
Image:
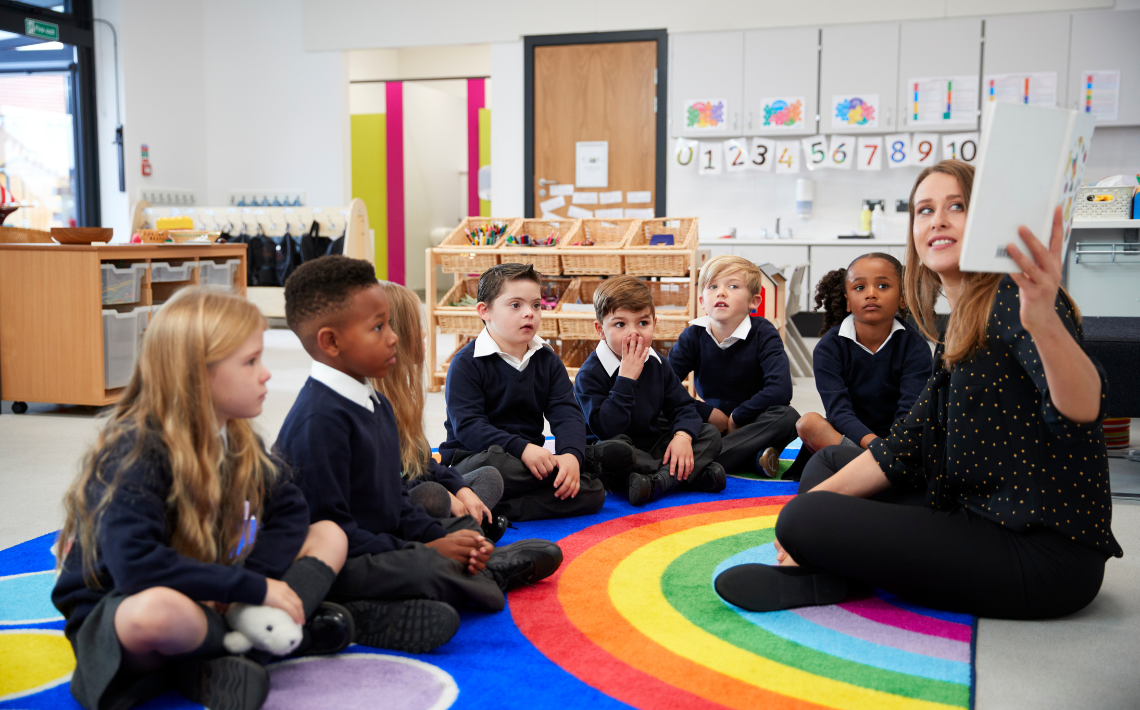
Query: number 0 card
x=870 y=156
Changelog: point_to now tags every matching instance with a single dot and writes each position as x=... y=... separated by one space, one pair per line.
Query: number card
x=924 y=149
x=762 y=156
x=787 y=157
x=871 y=153
x=815 y=152
x=960 y=146
x=841 y=153
x=735 y=155
x=897 y=149
x=685 y=153
x=711 y=158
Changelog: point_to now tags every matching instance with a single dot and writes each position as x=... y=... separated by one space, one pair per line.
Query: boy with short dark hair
x=499 y=388
x=740 y=368
x=628 y=394
x=405 y=569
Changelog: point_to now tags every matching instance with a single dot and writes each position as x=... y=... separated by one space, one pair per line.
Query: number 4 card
x=924 y=149
x=897 y=148
x=960 y=146
x=788 y=156
x=870 y=153
x=841 y=154
x=815 y=152
x=763 y=154
x=735 y=155
x=710 y=157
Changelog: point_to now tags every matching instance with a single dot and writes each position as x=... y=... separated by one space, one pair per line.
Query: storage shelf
x=1106 y=224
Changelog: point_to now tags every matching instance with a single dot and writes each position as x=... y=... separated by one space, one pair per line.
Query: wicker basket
x=459 y=320
x=573 y=354
x=548 y=328
x=670 y=324
x=545 y=264
x=604 y=234
x=1119 y=207
x=461 y=342
x=577 y=325
x=669 y=262
x=480 y=258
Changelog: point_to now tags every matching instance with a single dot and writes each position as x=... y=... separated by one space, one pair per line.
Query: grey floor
x=1086 y=661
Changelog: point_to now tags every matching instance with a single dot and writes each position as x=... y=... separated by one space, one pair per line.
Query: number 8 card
x=897 y=149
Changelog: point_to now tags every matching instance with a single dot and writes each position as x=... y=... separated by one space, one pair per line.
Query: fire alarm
x=146 y=169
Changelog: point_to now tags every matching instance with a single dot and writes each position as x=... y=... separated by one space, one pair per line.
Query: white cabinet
x=859 y=60
x=780 y=63
x=706 y=66
x=938 y=48
x=1028 y=43
x=1107 y=41
x=781 y=255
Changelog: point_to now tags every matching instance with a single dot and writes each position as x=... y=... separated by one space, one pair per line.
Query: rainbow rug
x=630 y=620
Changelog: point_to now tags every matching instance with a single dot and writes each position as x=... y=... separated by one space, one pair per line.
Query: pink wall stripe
x=475 y=99
x=394 y=91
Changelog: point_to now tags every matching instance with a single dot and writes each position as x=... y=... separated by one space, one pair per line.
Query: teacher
x=991 y=497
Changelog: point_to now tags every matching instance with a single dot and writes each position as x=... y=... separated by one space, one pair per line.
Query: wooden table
x=51 y=324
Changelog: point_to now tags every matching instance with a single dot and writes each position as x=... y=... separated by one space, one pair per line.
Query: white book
x=1031 y=160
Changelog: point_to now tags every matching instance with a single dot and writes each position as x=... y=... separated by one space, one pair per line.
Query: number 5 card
x=897 y=148
x=870 y=156
x=924 y=149
x=815 y=152
x=788 y=157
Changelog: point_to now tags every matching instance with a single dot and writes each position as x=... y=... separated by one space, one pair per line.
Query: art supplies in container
x=464 y=302
x=525 y=240
x=485 y=235
x=661 y=240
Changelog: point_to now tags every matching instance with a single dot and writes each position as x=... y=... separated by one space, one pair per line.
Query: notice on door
x=592 y=164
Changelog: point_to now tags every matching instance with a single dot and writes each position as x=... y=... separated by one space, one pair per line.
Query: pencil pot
x=576 y=310
x=538 y=234
x=455 y=312
x=578 y=257
x=482 y=235
x=672 y=261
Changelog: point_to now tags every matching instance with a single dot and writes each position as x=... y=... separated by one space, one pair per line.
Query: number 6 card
x=870 y=156
x=897 y=148
x=841 y=154
x=924 y=149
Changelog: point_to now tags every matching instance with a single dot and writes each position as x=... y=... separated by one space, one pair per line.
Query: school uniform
x=340 y=439
x=496 y=404
x=745 y=376
x=645 y=413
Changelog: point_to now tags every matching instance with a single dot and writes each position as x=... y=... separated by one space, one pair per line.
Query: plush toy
x=265 y=628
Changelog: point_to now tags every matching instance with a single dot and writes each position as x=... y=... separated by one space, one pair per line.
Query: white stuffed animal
x=265 y=628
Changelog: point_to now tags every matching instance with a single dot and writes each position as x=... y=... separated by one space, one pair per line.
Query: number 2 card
x=735 y=155
x=870 y=156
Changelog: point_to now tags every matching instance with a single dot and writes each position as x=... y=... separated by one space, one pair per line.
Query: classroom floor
x=1086 y=660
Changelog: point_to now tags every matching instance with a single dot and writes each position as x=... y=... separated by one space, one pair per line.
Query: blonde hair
x=404 y=383
x=624 y=291
x=169 y=408
x=726 y=263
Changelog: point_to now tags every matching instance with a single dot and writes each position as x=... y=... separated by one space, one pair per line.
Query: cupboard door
x=1107 y=41
x=706 y=66
x=780 y=64
x=939 y=48
x=1025 y=44
x=857 y=61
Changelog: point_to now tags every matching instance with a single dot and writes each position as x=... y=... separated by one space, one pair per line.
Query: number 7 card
x=870 y=153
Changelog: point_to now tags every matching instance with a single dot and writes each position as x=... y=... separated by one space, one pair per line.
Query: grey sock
x=212 y=645
x=311 y=579
x=433 y=497
x=487 y=483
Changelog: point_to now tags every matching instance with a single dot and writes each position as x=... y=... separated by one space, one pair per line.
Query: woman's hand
x=1040 y=276
x=782 y=557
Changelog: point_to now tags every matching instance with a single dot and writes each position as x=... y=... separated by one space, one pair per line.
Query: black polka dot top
x=985 y=435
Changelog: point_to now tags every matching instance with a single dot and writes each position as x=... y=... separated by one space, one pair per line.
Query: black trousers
x=648 y=461
x=775 y=427
x=954 y=560
x=526 y=497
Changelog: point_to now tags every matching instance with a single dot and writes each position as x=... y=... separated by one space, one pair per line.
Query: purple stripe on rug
x=879 y=611
x=844 y=622
x=357 y=682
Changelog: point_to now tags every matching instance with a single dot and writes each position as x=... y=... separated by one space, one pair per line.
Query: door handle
x=544 y=181
x=735 y=120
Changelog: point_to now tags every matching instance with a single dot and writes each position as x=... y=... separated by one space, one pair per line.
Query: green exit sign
x=41 y=30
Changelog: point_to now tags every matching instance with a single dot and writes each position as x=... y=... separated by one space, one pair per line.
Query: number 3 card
x=735 y=155
x=897 y=148
x=924 y=149
x=870 y=155
x=841 y=154
x=788 y=157
x=763 y=154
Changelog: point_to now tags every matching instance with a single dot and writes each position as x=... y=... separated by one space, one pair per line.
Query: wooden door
x=595 y=92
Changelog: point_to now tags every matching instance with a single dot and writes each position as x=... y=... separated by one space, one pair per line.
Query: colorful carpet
x=631 y=619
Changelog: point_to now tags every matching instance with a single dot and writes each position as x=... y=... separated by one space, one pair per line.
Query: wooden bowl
x=81 y=235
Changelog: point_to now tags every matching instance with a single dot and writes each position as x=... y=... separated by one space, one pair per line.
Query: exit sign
x=41 y=30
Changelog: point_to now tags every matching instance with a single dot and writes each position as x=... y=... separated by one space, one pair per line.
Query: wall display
x=736 y=155
x=610 y=198
x=639 y=213
x=576 y=212
x=960 y=146
x=841 y=152
x=783 y=112
x=710 y=157
x=561 y=190
x=1032 y=89
x=1102 y=94
x=924 y=149
x=635 y=197
x=941 y=100
x=815 y=152
x=762 y=154
x=896 y=148
x=787 y=157
x=850 y=110
x=592 y=164
x=870 y=153
x=552 y=204
x=585 y=198
x=706 y=115
x=615 y=213
x=685 y=153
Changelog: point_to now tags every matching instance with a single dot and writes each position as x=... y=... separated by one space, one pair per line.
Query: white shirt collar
x=612 y=362
x=847 y=330
x=740 y=333
x=485 y=345
x=353 y=390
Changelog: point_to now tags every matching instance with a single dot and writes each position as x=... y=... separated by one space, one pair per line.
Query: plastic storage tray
x=161 y=271
x=218 y=275
x=121 y=285
x=122 y=334
x=1119 y=206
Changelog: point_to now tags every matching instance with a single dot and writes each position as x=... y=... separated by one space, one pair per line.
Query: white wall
x=507 y=147
x=114 y=205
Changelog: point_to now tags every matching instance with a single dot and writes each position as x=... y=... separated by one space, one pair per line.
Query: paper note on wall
x=706 y=115
x=787 y=157
x=870 y=156
x=710 y=157
x=1031 y=89
x=610 y=198
x=941 y=100
x=585 y=198
x=591 y=164
x=1101 y=95
x=735 y=155
x=851 y=110
x=841 y=152
x=896 y=149
x=762 y=154
x=552 y=204
x=639 y=197
x=579 y=213
x=815 y=152
x=782 y=113
x=551 y=215
x=639 y=213
x=960 y=146
x=614 y=213
x=685 y=152
x=561 y=190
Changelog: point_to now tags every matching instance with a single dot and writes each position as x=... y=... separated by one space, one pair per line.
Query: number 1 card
x=870 y=156
x=710 y=157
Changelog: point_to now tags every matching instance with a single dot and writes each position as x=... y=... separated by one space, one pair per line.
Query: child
x=498 y=390
x=439 y=489
x=627 y=393
x=741 y=370
x=405 y=570
x=160 y=523
x=870 y=366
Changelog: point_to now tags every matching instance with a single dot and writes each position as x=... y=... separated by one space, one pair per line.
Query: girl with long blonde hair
x=441 y=490
x=991 y=497
x=178 y=511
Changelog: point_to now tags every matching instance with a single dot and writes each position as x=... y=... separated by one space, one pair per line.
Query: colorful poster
x=710 y=157
x=896 y=148
x=841 y=152
x=815 y=152
x=735 y=155
x=960 y=146
x=854 y=111
x=762 y=154
x=870 y=155
x=1032 y=88
x=1102 y=94
x=706 y=115
x=924 y=149
x=685 y=153
x=787 y=157
x=942 y=100
x=783 y=112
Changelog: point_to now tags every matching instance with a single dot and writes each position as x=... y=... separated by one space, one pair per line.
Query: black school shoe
x=769 y=588
x=329 y=630
x=524 y=562
x=494 y=527
x=413 y=625
x=711 y=480
x=643 y=488
x=610 y=462
x=224 y=683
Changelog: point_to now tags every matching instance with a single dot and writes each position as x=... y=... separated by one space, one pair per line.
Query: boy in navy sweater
x=405 y=569
x=499 y=388
x=741 y=370
x=628 y=394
